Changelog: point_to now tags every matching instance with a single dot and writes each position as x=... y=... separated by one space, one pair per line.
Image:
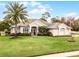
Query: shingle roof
x=53 y=25
x=56 y=25
x=39 y=20
x=22 y=24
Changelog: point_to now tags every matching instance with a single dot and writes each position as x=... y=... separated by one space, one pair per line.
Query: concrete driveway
x=65 y=54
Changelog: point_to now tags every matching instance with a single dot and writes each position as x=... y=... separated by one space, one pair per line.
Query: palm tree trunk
x=15 y=30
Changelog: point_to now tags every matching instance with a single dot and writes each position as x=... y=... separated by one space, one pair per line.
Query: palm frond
x=15 y=11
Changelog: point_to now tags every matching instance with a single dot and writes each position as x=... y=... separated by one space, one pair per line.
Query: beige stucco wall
x=68 y=32
x=12 y=30
x=58 y=32
x=54 y=32
x=18 y=30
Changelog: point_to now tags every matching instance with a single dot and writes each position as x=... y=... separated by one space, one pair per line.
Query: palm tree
x=15 y=13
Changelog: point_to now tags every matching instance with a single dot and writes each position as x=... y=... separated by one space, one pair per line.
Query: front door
x=33 y=31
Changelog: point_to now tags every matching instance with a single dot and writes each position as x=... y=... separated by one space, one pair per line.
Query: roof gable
x=37 y=23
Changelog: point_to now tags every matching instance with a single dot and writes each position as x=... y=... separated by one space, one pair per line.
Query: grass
x=74 y=56
x=36 y=45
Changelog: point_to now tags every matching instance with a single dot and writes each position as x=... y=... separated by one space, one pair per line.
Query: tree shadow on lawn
x=71 y=39
x=16 y=37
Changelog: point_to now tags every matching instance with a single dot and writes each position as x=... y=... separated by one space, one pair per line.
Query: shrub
x=21 y=34
x=7 y=31
x=43 y=30
x=33 y=27
x=50 y=34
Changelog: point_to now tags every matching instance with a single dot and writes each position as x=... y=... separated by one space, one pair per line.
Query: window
x=62 y=28
x=25 y=29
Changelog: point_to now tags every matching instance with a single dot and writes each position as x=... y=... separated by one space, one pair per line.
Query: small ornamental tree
x=43 y=30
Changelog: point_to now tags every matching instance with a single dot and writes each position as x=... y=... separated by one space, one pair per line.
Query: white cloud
x=39 y=10
x=72 y=14
x=33 y=3
x=76 y=18
x=34 y=13
x=25 y=3
x=46 y=8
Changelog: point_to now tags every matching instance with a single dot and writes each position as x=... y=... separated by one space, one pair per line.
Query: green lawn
x=74 y=56
x=34 y=46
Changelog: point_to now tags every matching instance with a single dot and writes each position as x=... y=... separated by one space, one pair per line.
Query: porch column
x=37 y=31
x=29 y=29
x=21 y=29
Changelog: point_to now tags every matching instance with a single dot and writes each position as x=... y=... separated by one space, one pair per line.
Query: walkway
x=65 y=54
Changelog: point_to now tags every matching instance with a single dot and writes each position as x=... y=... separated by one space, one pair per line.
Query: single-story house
x=56 y=29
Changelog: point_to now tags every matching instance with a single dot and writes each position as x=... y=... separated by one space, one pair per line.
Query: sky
x=35 y=9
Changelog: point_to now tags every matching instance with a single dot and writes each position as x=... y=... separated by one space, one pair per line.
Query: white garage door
x=62 y=31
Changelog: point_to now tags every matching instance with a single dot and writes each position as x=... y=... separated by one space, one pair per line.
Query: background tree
x=76 y=25
x=55 y=19
x=45 y=16
x=4 y=25
x=70 y=22
x=63 y=20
